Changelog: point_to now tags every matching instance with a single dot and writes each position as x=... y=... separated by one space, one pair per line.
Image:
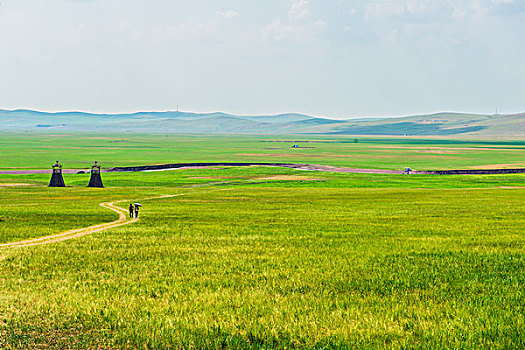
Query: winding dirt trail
x=76 y=233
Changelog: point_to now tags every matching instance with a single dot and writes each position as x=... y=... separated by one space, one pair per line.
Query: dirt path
x=76 y=233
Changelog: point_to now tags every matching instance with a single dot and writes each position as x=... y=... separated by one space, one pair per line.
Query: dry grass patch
x=436 y=151
x=290 y=178
x=213 y=177
x=497 y=166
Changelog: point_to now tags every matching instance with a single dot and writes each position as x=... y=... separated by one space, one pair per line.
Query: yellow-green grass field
x=264 y=258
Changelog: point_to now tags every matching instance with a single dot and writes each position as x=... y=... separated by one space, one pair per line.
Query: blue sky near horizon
x=332 y=58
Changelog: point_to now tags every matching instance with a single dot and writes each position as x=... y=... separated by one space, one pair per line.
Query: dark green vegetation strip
x=479 y=172
x=299 y=166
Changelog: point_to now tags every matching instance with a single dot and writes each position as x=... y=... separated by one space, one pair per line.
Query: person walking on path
x=131 y=211
x=137 y=211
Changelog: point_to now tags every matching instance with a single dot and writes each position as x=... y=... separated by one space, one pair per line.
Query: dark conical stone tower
x=56 y=179
x=96 y=179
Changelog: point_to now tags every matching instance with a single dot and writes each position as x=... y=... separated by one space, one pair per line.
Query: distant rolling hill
x=440 y=124
x=437 y=124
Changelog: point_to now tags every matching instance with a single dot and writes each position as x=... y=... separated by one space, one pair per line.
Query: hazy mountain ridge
x=290 y=123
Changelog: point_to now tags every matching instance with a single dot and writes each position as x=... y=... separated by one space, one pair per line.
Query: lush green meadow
x=262 y=257
x=39 y=151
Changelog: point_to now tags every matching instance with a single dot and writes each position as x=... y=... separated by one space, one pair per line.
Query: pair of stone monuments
x=58 y=181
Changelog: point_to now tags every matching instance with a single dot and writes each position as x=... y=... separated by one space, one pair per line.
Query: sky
x=331 y=58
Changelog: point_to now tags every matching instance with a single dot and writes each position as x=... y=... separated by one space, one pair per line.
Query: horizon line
x=255 y=115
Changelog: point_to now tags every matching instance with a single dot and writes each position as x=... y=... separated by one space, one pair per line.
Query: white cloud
x=320 y=24
x=381 y=9
x=275 y=30
x=227 y=14
x=189 y=30
x=192 y=29
x=438 y=10
x=429 y=20
x=299 y=10
x=298 y=28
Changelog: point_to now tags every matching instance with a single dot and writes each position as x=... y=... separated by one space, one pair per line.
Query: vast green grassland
x=263 y=258
x=39 y=151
